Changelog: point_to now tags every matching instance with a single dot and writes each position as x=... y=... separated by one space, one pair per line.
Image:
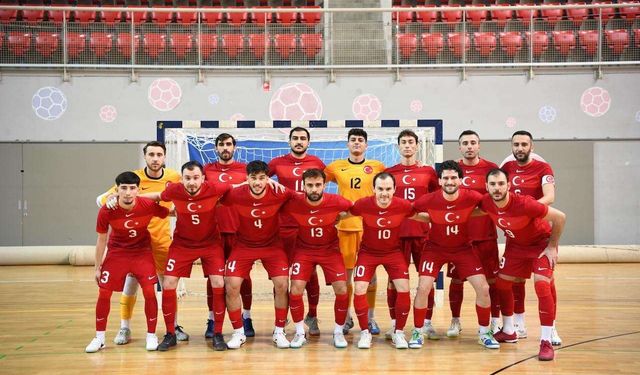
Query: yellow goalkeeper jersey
x=159 y=229
x=355 y=181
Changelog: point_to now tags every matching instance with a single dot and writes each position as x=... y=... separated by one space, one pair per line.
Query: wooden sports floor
x=47 y=315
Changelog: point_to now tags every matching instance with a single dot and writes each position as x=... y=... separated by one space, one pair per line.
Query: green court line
x=33 y=339
x=2 y=356
x=19 y=347
x=46 y=333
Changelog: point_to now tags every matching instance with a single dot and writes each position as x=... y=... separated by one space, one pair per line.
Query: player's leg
x=349 y=242
x=487 y=252
x=301 y=270
x=425 y=286
x=313 y=296
x=208 y=333
x=483 y=310
x=335 y=274
x=238 y=267
x=127 y=303
x=213 y=266
x=555 y=337
x=169 y=307
x=372 y=291
x=397 y=268
x=103 y=305
x=276 y=264
x=144 y=269
x=542 y=277
x=456 y=295
x=519 y=296
x=510 y=271
x=365 y=269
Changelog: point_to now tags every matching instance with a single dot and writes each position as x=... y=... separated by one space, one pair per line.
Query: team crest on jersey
x=548 y=179
x=368 y=169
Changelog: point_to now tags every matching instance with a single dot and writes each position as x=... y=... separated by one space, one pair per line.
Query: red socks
x=361 y=306
x=296 y=305
x=169 y=307
x=340 y=307
x=209 y=295
x=419 y=316
x=546 y=307
x=391 y=302
x=456 y=294
x=313 y=294
x=150 y=307
x=484 y=315
x=518 y=297
x=235 y=317
x=495 y=300
x=219 y=306
x=403 y=303
x=430 y=301
x=103 y=306
x=555 y=298
x=281 y=316
x=505 y=290
x=246 y=291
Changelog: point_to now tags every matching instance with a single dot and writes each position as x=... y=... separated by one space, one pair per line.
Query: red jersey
x=449 y=219
x=317 y=224
x=289 y=170
x=258 y=218
x=381 y=226
x=412 y=182
x=528 y=179
x=481 y=228
x=521 y=220
x=196 y=225
x=234 y=173
x=129 y=228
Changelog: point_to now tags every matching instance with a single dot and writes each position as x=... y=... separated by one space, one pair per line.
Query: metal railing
x=67 y=37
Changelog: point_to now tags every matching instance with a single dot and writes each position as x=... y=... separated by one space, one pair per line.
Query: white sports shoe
x=521 y=331
x=555 y=338
x=152 y=342
x=298 y=341
x=181 y=335
x=280 y=340
x=454 y=328
x=339 y=341
x=365 y=340
x=494 y=327
x=389 y=334
x=399 y=340
x=95 y=345
x=236 y=341
x=430 y=332
x=417 y=339
x=123 y=336
x=487 y=340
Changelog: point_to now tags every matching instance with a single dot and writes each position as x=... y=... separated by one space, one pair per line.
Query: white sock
x=393 y=323
x=299 y=328
x=364 y=331
x=483 y=329
x=124 y=323
x=246 y=314
x=554 y=323
x=211 y=316
x=507 y=325
x=239 y=330
x=337 y=329
x=150 y=335
x=495 y=321
x=100 y=335
x=279 y=330
x=427 y=322
x=545 y=334
x=399 y=331
x=518 y=319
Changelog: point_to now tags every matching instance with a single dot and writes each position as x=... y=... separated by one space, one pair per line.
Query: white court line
x=43 y=281
x=600 y=278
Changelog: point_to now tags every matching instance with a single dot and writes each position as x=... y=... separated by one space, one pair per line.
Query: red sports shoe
x=503 y=337
x=546 y=351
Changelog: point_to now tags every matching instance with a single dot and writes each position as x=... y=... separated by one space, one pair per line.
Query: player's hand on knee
x=552 y=254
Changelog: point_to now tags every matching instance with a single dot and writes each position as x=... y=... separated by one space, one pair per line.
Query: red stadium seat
x=187 y=17
x=607 y=13
x=540 y=40
x=76 y=43
x=1 y=39
x=285 y=44
x=83 y=16
x=138 y=16
x=407 y=44
x=47 y=43
x=181 y=44
x=636 y=35
x=260 y=17
x=432 y=44
x=452 y=16
x=476 y=17
x=458 y=41
x=208 y=45
x=311 y=18
x=232 y=44
x=525 y=15
x=101 y=43
x=32 y=15
x=589 y=41
x=564 y=41
x=287 y=18
x=19 y=42
x=577 y=15
x=630 y=13
x=110 y=16
x=501 y=16
x=123 y=44
x=485 y=43
x=161 y=17
x=426 y=15
x=311 y=44
x=211 y=17
x=56 y=16
x=618 y=40
x=511 y=42
x=154 y=44
x=258 y=44
x=552 y=15
x=403 y=15
x=239 y=18
x=7 y=15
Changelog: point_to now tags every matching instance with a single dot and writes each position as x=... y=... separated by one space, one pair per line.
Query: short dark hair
x=128 y=178
x=468 y=132
x=223 y=137
x=191 y=165
x=257 y=166
x=299 y=129
x=522 y=132
x=449 y=165
x=495 y=172
x=314 y=173
x=154 y=144
x=384 y=176
x=358 y=132
x=407 y=133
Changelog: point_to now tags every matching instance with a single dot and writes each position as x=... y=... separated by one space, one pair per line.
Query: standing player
x=129 y=252
x=196 y=237
x=449 y=211
x=413 y=181
x=382 y=216
x=481 y=231
x=533 y=178
x=532 y=246
x=317 y=244
x=354 y=177
x=153 y=179
x=228 y=171
x=258 y=206
x=289 y=169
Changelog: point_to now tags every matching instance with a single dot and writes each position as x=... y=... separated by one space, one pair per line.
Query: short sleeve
x=102 y=224
x=533 y=208
x=356 y=209
x=329 y=172
x=433 y=181
x=160 y=211
x=344 y=204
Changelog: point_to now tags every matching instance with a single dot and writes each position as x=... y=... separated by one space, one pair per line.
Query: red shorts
x=487 y=253
x=228 y=240
x=412 y=248
x=523 y=267
x=288 y=236
x=366 y=264
x=117 y=265
x=464 y=262
x=273 y=258
x=305 y=262
x=181 y=261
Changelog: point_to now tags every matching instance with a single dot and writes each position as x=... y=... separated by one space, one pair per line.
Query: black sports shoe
x=248 y=327
x=218 y=342
x=209 y=332
x=168 y=341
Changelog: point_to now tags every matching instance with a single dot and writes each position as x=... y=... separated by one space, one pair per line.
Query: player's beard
x=225 y=156
x=296 y=151
x=126 y=201
x=522 y=157
x=155 y=167
x=315 y=197
x=500 y=198
x=447 y=189
x=192 y=193
x=257 y=192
